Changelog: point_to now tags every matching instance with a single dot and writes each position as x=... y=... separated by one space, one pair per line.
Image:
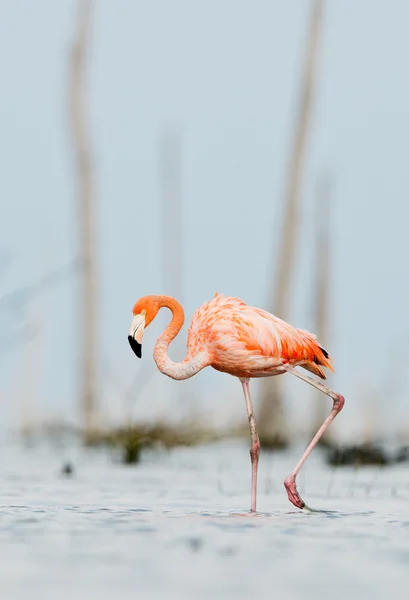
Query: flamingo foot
x=292 y=492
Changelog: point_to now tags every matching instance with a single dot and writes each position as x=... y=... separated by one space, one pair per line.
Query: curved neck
x=178 y=318
x=190 y=365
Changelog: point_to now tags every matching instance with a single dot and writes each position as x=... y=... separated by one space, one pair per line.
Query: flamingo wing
x=241 y=338
x=300 y=347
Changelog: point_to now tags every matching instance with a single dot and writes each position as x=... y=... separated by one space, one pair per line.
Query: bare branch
x=273 y=429
x=86 y=199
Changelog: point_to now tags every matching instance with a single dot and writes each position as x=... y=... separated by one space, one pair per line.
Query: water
x=176 y=527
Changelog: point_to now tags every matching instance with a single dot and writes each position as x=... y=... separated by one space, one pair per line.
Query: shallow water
x=176 y=526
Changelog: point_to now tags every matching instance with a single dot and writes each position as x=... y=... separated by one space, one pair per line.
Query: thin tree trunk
x=273 y=430
x=86 y=204
x=172 y=227
x=171 y=214
x=32 y=353
x=322 y=263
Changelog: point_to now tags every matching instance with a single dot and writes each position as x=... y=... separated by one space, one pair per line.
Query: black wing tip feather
x=317 y=359
x=325 y=353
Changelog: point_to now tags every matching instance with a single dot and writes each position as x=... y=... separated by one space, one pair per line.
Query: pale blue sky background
x=225 y=72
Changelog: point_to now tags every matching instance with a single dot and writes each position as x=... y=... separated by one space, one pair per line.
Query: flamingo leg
x=255 y=443
x=338 y=400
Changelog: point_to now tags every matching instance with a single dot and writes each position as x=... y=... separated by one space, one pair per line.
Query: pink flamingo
x=243 y=341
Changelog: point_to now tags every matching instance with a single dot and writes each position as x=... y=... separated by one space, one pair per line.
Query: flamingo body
x=247 y=342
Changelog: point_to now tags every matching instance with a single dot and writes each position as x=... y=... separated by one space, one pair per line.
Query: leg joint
x=339 y=402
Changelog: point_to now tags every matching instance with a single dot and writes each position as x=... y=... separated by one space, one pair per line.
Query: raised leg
x=255 y=443
x=289 y=482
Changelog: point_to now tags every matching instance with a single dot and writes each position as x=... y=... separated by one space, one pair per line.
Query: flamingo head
x=144 y=311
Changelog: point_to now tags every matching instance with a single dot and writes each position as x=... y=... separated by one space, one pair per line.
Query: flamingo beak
x=136 y=333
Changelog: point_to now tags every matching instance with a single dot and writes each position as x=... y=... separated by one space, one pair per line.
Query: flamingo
x=240 y=340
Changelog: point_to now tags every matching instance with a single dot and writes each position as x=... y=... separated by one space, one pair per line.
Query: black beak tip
x=136 y=346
